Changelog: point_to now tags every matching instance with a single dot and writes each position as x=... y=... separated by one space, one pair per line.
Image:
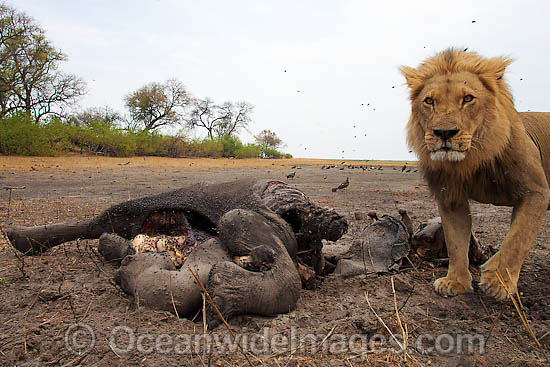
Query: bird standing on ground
x=342 y=186
x=291 y=175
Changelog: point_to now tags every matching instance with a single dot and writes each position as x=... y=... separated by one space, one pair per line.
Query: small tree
x=29 y=77
x=156 y=105
x=202 y=115
x=219 y=120
x=269 y=139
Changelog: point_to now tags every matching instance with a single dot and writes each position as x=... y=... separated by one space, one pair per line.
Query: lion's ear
x=492 y=73
x=412 y=76
x=497 y=66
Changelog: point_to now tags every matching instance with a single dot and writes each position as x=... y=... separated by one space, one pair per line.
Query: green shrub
x=230 y=144
x=268 y=152
x=248 y=151
x=177 y=146
x=207 y=148
x=57 y=133
x=147 y=143
x=105 y=138
x=20 y=135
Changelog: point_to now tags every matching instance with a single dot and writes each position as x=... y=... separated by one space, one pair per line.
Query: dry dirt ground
x=43 y=297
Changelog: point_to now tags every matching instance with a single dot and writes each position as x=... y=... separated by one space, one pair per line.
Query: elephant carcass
x=236 y=234
x=267 y=284
x=428 y=241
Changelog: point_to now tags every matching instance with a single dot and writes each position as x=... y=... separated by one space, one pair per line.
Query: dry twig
x=70 y=296
x=216 y=309
x=20 y=260
x=10 y=189
x=179 y=321
x=204 y=327
x=519 y=309
x=403 y=329
x=389 y=330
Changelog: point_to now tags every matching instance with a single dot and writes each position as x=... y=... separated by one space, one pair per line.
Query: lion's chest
x=496 y=186
x=490 y=195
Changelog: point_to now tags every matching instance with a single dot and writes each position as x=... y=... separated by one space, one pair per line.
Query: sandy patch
x=78 y=161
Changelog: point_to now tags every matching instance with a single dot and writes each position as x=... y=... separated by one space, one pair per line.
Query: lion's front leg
x=457 y=224
x=527 y=218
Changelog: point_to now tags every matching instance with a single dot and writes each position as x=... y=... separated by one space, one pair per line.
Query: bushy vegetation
x=20 y=134
x=36 y=95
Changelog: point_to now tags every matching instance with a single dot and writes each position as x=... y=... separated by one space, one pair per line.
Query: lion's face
x=450 y=109
x=461 y=109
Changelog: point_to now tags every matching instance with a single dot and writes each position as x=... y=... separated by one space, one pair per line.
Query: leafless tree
x=218 y=120
x=236 y=117
x=202 y=116
x=157 y=105
x=104 y=113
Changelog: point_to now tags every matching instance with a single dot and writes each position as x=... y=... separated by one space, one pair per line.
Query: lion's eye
x=467 y=98
x=429 y=100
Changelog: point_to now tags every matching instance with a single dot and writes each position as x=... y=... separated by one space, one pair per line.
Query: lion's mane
x=491 y=149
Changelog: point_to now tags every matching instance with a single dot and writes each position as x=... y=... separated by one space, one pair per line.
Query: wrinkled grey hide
x=378 y=249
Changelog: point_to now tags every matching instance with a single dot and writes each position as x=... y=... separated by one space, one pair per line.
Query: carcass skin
x=378 y=249
x=429 y=242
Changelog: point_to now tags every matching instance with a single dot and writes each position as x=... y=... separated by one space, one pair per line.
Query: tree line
x=32 y=87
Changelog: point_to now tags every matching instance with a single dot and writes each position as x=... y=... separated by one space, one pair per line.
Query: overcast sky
x=341 y=95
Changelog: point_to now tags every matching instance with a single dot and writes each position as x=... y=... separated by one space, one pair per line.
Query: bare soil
x=43 y=296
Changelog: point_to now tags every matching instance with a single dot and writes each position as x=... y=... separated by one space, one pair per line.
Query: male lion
x=473 y=144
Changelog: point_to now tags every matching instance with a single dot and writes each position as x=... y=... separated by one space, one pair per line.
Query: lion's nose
x=445 y=134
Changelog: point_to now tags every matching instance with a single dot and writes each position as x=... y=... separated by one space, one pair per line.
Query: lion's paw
x=449 y=287
x=490 y=283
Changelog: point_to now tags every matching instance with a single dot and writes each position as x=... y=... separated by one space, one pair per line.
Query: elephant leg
x=153 y=279
x=113 y=247
x=236 y=290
